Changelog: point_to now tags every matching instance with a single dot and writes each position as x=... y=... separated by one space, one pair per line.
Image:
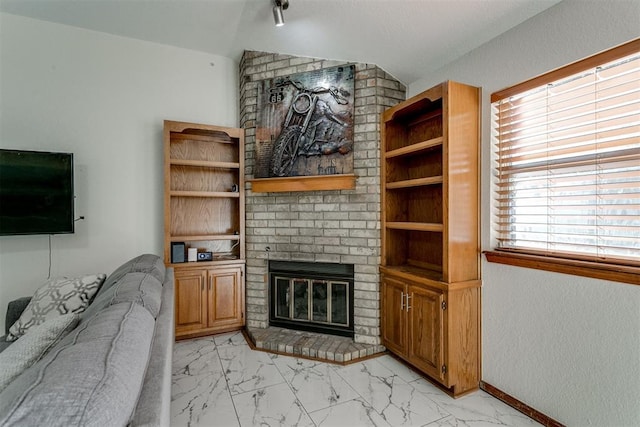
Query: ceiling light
x=278 y=16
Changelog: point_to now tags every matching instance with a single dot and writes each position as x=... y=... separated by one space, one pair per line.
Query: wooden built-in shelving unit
x=204 y=208
x=430 y=234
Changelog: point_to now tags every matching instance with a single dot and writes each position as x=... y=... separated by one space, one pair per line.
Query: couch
x=113 y=368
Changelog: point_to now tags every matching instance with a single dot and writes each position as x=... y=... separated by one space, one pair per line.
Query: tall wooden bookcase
x=430 y=265
x=204 y=209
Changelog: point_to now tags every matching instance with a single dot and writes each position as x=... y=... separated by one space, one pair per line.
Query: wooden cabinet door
x=426 y=331
x=394 y=316
x=226 y=298
x=191 y=300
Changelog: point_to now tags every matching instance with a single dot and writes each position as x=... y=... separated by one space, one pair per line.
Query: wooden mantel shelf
x=303 y=183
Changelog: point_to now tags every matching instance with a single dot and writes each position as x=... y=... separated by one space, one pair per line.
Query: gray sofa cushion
x=155 y=400
x=33 y=345
x=91 y=378
x=141 y=288
x=147 y=263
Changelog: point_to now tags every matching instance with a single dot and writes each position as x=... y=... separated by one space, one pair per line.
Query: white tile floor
x=220 y=381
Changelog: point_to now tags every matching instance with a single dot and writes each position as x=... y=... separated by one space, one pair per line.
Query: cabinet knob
x=401 y=301
x=409 y=296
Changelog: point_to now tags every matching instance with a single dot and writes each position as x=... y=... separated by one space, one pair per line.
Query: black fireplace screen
x=312 y=296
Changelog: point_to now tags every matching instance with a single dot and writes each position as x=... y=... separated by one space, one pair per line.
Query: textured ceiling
x=407 y=38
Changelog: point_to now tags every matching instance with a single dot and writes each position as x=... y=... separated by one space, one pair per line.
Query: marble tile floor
x=221 y=381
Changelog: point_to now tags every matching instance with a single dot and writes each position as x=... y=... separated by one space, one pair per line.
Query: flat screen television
x=36 y=192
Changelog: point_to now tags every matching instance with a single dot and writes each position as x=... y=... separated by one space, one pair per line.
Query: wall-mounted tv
x=36 y=192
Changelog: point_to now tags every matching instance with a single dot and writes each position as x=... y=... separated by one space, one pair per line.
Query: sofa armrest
x=14 y=310
x=154 y=402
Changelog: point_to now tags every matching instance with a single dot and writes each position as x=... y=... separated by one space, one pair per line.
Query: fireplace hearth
x=310 y=296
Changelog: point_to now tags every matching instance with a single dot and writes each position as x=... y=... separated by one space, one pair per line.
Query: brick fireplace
x=338 y=226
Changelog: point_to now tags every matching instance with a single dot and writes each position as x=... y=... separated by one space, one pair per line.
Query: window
x=567 y=192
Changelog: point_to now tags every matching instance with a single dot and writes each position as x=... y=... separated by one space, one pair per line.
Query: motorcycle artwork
x=314 y=112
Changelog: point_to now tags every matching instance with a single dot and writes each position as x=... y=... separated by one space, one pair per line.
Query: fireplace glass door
x=320 y=300
x=312 y=300
x=317 y=302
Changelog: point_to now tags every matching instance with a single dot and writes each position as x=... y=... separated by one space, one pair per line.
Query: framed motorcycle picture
x=304 y=124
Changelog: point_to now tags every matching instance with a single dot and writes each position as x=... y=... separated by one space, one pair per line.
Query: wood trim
x=414 y=148
x=175 y=135
x=204 y=164
x=414 y=104
x=179 y=127
x=425 y=278
x=202 y=194
x=199 y=265
x=415 y=226
x=195 y=238
x=207 y=332
x=568 y=70
x=417 y=182
x=303 y=183
x=530 y=412
x=596 y=270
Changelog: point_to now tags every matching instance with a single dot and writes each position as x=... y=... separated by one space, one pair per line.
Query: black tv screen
x=36 y=192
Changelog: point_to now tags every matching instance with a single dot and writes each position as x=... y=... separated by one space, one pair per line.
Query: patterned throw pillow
x=56 y=297
x=33 y=346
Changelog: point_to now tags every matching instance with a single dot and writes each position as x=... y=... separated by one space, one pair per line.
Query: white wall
x=104 y=98
x=566 y=345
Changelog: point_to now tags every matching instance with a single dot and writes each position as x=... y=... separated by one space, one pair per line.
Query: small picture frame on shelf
x=178 y=250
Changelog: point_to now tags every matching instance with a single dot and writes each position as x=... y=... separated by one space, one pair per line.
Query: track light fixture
x=278 y=16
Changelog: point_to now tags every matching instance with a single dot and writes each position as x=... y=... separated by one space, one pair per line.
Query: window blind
x=568 y=163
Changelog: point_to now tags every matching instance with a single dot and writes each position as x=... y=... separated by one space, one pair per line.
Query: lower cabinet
x=209 y=300
x=435 y=330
